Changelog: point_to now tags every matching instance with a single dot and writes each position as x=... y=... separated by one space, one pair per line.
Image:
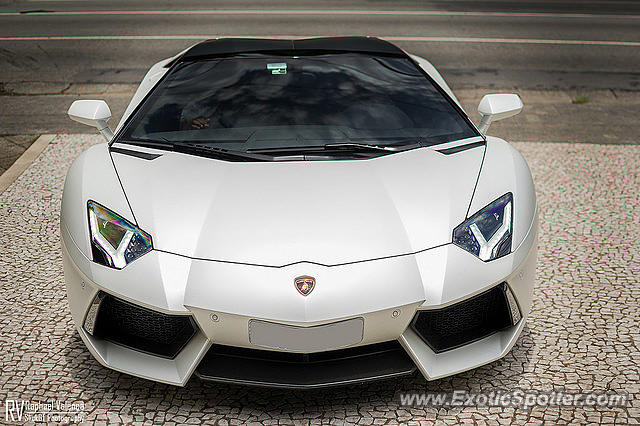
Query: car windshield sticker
x=278 y=68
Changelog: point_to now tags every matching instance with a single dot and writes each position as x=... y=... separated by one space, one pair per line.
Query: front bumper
x=222 y=298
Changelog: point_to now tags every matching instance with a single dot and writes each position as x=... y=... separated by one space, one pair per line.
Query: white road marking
x=389 y=38
x=324 y=12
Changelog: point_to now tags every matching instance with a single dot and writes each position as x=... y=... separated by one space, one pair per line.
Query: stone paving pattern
x=582 y=334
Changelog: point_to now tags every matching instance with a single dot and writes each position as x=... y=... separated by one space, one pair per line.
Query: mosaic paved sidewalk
x=583 y=333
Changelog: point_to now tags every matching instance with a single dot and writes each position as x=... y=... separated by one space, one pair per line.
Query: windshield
x=263 y=103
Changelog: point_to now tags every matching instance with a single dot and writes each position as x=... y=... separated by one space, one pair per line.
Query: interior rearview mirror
x=498 y=107
x=92 y=113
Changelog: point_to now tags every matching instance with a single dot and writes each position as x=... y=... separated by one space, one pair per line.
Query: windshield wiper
x=357 y=146
x=202 y=150
x=339 y=146
x=267 y=154
x=192 y=148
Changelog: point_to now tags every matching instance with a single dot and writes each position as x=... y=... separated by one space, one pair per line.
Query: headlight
x=487 y=234
x=115 y=242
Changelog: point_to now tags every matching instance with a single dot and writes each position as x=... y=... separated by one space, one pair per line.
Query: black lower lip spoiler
x=305 y=371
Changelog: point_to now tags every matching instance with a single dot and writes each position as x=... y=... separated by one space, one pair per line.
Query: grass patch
x=581 y=99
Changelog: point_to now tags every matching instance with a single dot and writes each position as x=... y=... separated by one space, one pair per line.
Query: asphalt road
x=52 y=52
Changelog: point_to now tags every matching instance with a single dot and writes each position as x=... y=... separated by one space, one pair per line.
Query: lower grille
x=139 y=328
x=467 y=321
x=295 y=370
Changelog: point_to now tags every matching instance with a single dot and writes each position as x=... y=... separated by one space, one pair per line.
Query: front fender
x=91 y=176
x=504 y=170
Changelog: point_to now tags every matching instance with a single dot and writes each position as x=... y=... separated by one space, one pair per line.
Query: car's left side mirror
x=498 y=107
x=92 y=113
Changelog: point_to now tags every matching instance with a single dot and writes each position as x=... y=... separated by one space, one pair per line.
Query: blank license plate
x=306 y=339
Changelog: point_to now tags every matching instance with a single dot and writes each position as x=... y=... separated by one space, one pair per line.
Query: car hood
x=278 y=213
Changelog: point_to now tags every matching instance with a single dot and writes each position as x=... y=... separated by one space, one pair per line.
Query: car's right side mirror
x=92 y=113
x=498 y=107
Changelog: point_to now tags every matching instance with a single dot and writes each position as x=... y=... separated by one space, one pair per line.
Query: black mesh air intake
x=464 y=322
x=142 y=329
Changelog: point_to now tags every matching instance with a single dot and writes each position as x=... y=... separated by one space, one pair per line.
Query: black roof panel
x=230 y=46
x=348 y=44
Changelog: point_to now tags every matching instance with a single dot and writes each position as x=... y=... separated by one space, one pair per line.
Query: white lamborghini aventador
x=298 y=213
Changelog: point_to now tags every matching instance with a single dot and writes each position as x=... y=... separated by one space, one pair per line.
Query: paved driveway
x=583 y=333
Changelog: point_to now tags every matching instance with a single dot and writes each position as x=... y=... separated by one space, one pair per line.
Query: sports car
x=298 y=213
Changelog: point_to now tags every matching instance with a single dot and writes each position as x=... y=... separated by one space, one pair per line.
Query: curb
x=27 y=157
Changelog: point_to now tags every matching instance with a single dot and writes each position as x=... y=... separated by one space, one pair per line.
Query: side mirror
x=92 y=113
x=498 y=107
